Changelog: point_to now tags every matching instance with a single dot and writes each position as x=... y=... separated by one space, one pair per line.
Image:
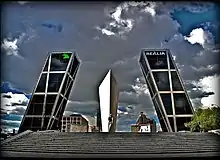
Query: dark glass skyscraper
x=49 y=98
x=167 y=90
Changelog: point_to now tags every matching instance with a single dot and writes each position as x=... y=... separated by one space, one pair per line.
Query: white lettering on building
x=155 y=52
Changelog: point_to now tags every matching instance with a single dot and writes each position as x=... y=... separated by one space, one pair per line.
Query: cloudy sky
x=107 y=35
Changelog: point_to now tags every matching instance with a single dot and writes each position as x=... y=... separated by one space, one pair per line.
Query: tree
x=205 y=120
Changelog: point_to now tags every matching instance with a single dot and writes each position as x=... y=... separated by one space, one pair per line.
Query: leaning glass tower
x=49 y=97
x=167 y=91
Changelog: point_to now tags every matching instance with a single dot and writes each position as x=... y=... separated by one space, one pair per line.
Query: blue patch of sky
x=190 y=20
x=9 y=125
x=12 y=117
x=121 y=108
x=155 y=118
x=10 y=121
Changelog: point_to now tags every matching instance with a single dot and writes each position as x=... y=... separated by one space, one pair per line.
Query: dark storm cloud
x=123 y=124
x=206 y=94
x=18 y=111
x=199 y=94
x=86 y=107
x=196 y=103
x=210 y=70
x=189 y=72
x=207 y=58
x=139 y=102
x=6 y=96
x=104 y=52
x=129 y=98
x=20 y=103
x=183 y=50
x=126 y=88
x=50 y=25
x=190 y=85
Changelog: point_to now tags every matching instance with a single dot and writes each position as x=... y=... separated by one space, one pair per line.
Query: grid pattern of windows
x=143 y=64
x=42 y=83
x=157 y=61
x=55 y=80
x=163 y=79
x=171 y=123
x=67 y=121
x=166 y=99
x=49 y=104
x=176 y=82
x=58 y=62
x=181 y=123
x=152 y=86
x=74 y=66
x=46 y=65
x=57 y=75
x=181 y=104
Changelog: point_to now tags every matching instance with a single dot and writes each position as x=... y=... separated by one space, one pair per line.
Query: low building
x=144 y=124
x=148 y=127
x=75 y=123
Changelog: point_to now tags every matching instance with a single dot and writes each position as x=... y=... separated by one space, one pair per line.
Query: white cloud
x=150 y=10
x=107 y=32
x=199 y=36
x=135 y=4
x=10 y=47
x=119 y=26
x=140 y=88
x=148 y=7
x=83 y=102
x=9 y=130
x=16 y=101
x=210 y=84
x=104 y=31
x=10 y=121
x=117 y=14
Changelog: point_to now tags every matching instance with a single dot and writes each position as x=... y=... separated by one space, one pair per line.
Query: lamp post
x=215 y=105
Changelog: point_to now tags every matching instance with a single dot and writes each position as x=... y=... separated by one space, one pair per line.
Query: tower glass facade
x=167 y=90
x=49 y=98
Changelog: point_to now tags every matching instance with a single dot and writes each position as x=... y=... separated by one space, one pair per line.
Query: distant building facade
x=75 y=123
x=144 y=124
x=167 y=90
x=49 y=98
x=108 y=98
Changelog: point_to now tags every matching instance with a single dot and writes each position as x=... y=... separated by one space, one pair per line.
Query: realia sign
x=151 y=53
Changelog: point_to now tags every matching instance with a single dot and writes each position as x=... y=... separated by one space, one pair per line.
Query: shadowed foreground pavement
x=53 y=144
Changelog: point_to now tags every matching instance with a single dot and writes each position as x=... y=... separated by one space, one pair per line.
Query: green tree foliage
x=205 y=120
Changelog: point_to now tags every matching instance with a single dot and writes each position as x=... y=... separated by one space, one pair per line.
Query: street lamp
x=215 y=105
